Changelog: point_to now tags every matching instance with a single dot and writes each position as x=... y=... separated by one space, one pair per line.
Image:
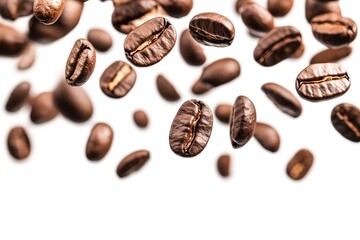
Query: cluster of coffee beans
x=151 y=34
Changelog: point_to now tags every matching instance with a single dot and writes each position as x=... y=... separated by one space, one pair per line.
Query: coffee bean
x=314 y=8
x=277 y=45
x=118 y=79
x=200 y=87
x=212 y=29
x=267 y=136
x=27 y=57
x=80 y=63
x=18 y=143
x=331 y=55
x=223 y=165
x=191 y=128
x=141 y=119
x=223 y=112
x=100 y=39
x=132 y=163
x=48 y=11
x=166 y=89
x=12 y=42
x=239 y=3
x=298 y=52
x=43 y=108
x=150 y=42
x=345 y=118
x=191 y=50
x=13 y=9
x=333 y=30
x=242 y=121
x=256 y=18
x=279 y=8
x=99 y=141
x=322 y=81
x=300 y=164
x=73 y=103
x=283 y=99
x=18 y=97
x=176 y=8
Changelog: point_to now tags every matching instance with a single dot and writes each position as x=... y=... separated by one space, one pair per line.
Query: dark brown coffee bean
x=191 y=128
x=333 y=30
x=345 y=118
x=277 y=45
x=223 y=165
x=48 y=11
x=13 y=9
x=18 y=143
x=331 y=55
x=73 y=103
x=256 y=18
x=279 y=8
x=176 y=8
x=298 y=52
x=18 y=97
x=43 y=108
x=191 y=50
x=100 y=39
x=300 y=164
x=314 y=8
x=242 y=121
x=283 y=99
x=223 y=112
x=322 y=81
x=117 y=80
x=239 y=3
x=166 y=89
x=132 y=163
x=212 y=29
x=99 y=142
x=141 y=119
x=267 y=136
x=27 y=57
x=150 y=42
x=200 y=87
x=12 y=42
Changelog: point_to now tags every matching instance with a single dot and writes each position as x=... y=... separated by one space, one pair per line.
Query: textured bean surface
x=345 y=118
x=132 y=163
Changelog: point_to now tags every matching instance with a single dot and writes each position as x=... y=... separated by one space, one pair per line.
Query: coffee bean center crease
x=194 y=123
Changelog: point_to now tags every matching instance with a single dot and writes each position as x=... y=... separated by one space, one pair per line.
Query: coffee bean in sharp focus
x=43 y=108
x=18 y=97
x=48 y=11
x=12 y=41
x=80 y=63
x=100 y=39
x=331 y=55
x=191 y=51
x=322 y=81
x=242 y=121
x=99 y=141
x=176 y=8
x=13 y=9
x=333 y=30
x=314 y=8
x=150 y=42
x=345 y=118
x=191 y=128
x=27 y=58
x=283 y=99
x=212 y=29
x=18 y=143
x=279 y=8
x=267 y=136
x=223 y=112
x=117 y=80
x=166 y=89
x=140 y=118
x=223 y=165
x=277 y=45
x=300 y=164
x=132 y=163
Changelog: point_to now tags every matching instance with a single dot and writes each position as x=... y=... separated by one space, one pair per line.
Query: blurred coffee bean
x=331 y=55
x=314 y=8
x=300 y=164
x=176 y=8
x=13 y=9
x=12 y=41
x=223 y=112
x=99 y=141
x=223 y=165
x=267 y=136
x=43 y=108
x=18 y=97
x=27 y=57
x=191 y=51
x=48 y=11
x=166 y=89
x=279 y=8
x=140 y=118
x=18 y=143
x=100 y=39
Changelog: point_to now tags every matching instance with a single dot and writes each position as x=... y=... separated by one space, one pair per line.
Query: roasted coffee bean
x=200 y=87
x=277 y=45
x=191 y=50
x=18 y=97
x=223 y=112
x=331 y=55
x=256 y=18
x=48 y=11
x=333 y=30
x=223 y=165
x=322 y=81
x=212 y=29
x=242 y=121
x=283 y=99
x=73 y=103
x=13 y=9
x=191 y=128
x=314 y=8
x=18 y=143
x=117 y=80
x=279 y=8
x=43 y=108
x=176 y=8
x=100 y=39
x=12 y=42
x=298 y=52
x=140 y=118
x=166 y=89
x=300 y=164
x=132 y=163
x=345 y=118
x=27 y=57
x=239 y=3
x=267 y=136
x=99 y=141
x=150 y=42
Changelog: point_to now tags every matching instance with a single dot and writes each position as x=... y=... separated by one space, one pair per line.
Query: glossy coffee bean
x=140 y=118
x=13 y=9
x=242 y=121
x=48 y=11
x=223 y=112
x=223 y=165
x=43 y=108
x=199 y=87
x=150 y=42
x=212 y=29
x=176 y=8
x=18 y=97
x=345 y=118
x=279 y=8
x=267 y=136
x=191 y=51
x=322 y=81
x=99 y=141
x=117 y=80
x=191 y=128
x=18 y=143
x=12 y=41
x=27 y=57
x=166 y=89
x=300 y=164
x=239 y=3
x=132 y=163
x=331 y=55
x=314 y=8
x=100 y=39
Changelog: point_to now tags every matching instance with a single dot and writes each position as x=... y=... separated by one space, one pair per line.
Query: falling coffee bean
x=191 y=50
x=279 y=8
x=13 y=9
x=223 y=165
x=267 y=136
x=43 y=108
x=300 y=164
x=331 y=55
x=345 y=118
x=166 y=89
x=100 y=39
x=176 y=8
x=99 y=142
x=223 y=112
x=18 y=97
x=314 y=8
x=12 y=41
x=132 y=163
x=18 y=143
x=27 y=57
x=141 y=119
x=48 y=11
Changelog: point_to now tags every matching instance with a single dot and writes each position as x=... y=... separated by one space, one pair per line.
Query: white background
x=58 y=194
